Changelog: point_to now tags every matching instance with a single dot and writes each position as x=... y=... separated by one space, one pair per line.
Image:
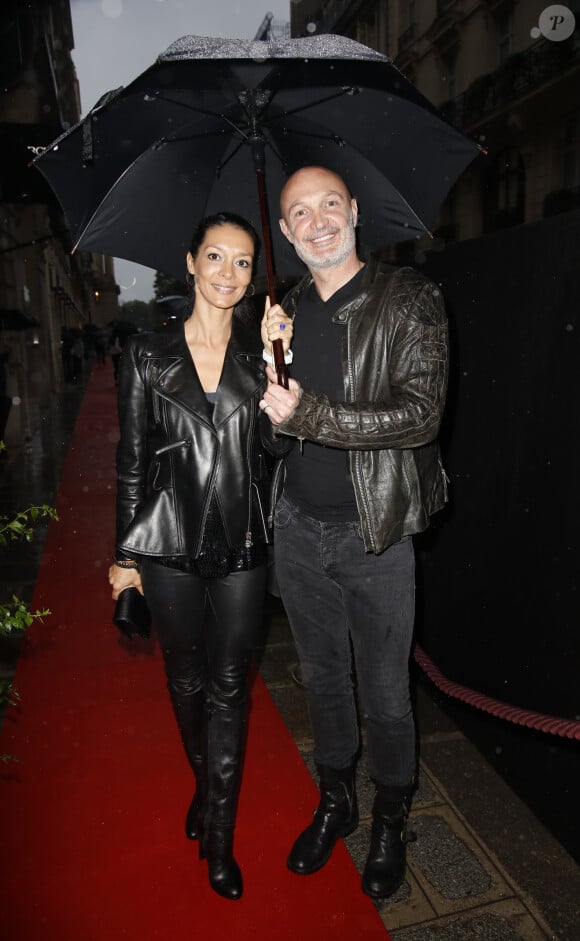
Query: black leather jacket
x=395 y=362
x=172 y=458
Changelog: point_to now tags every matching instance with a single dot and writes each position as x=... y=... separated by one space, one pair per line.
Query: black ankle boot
x=385 y=866
x=336 y=816
x=190 y=712
x=226 y=734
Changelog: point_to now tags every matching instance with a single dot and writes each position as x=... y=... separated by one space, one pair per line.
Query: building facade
x=45 y=291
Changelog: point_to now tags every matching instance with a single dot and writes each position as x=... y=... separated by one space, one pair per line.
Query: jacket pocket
x=183 y=443
x=160 y=471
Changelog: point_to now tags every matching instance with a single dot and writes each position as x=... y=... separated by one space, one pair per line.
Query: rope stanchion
x=566 y=728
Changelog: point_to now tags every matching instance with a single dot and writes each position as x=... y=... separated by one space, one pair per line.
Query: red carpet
x=91 y=819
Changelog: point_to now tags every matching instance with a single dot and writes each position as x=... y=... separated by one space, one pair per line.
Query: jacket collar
x=242 y=375
x=374 y=267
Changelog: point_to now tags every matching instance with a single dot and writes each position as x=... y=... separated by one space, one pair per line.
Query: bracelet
x=126 y=564
x=288 y=357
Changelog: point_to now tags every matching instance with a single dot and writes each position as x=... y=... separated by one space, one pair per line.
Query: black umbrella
x=187 y=136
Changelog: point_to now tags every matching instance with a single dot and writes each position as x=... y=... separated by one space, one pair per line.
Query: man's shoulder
x=399 y=277
x=409 y=292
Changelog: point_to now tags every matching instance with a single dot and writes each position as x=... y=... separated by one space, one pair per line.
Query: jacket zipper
x=356 y=455
x=172 y=447
x=249 y=539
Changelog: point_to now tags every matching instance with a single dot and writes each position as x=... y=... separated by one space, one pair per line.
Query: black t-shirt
x=318 y=477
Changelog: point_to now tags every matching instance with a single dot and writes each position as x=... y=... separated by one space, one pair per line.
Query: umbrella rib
x=204 y=111
x=346 y=90
x=191 y=137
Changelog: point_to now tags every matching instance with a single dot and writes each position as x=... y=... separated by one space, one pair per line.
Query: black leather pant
x=207 y=629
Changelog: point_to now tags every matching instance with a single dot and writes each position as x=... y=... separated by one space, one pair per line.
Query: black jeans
x=207 y=628
x=341 y=599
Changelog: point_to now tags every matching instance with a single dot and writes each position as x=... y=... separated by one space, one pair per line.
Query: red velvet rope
x=567 y=728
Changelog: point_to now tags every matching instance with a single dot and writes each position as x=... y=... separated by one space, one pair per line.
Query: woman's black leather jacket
x=395 y=363
x=174 y=459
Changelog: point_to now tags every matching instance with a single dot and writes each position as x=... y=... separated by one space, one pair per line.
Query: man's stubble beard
x=348 y=244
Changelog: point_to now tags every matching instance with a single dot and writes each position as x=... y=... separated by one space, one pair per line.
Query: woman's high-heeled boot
x=191 y=714
x=226 y=733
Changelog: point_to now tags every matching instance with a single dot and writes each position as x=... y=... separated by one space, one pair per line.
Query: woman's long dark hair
x=244 y=310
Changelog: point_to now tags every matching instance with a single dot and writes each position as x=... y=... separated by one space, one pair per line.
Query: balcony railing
x=522 y=73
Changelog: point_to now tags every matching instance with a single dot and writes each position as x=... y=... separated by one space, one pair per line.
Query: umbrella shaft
x=277 y=346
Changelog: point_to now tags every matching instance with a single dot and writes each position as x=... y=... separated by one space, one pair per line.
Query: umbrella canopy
x=187 y=136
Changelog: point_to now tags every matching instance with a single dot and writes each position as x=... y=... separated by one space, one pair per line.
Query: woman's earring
x=250 y=290
x=190 y=279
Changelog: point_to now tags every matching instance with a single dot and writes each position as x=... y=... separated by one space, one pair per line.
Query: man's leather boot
x=190 y=712
x=385 y=866
x=226 y=734
x=336 y=816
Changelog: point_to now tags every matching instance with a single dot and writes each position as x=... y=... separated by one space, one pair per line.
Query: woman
x=192 y=515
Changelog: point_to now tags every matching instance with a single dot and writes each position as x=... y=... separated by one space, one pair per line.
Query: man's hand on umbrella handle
x=279 y=403
x=276 y=326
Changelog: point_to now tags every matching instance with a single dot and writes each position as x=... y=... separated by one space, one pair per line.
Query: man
x=365 y=403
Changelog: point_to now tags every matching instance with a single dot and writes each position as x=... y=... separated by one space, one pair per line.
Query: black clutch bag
x=132 y=616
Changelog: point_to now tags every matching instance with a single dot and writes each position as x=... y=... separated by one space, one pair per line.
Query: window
x=505 y=34
x=504 y=194
x=450 y=76
x=509 y=179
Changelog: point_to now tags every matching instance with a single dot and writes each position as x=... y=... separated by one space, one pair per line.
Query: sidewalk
x=483 y=868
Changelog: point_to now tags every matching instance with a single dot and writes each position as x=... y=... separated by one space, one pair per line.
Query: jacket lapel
x=242 y=373
x=178 y=382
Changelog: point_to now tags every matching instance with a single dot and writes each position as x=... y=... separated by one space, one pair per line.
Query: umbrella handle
x=277 y=346
x=281 y=371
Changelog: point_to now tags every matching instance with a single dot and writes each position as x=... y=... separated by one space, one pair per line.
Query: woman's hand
x=279 y=403
x=275 y=326
x=121 y=578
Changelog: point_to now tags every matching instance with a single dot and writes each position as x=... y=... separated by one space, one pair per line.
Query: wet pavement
x=483 y=867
